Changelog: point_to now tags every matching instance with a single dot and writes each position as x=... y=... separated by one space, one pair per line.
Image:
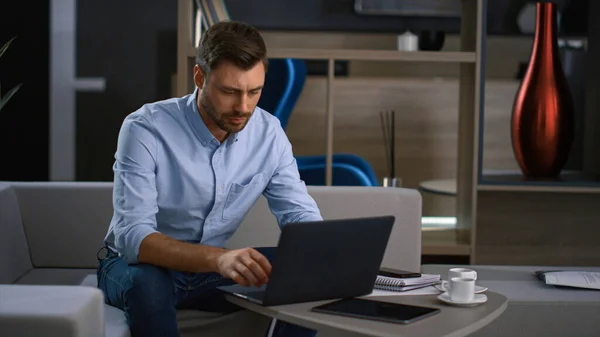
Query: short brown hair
x=232 y=41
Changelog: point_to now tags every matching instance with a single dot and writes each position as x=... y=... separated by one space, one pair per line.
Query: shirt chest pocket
x=241 y=197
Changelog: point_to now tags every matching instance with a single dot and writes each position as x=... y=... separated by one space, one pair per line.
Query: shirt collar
x=198 y=125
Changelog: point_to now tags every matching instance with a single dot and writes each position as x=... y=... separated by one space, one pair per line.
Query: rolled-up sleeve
x=134 y=194
x=286 y=193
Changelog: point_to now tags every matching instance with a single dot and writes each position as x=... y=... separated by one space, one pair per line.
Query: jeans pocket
x=242 y=197
x=111 y=281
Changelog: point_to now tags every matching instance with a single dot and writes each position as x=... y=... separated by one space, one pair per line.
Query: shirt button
x=203 y=143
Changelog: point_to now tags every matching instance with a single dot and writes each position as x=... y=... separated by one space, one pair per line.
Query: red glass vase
x=542 y=123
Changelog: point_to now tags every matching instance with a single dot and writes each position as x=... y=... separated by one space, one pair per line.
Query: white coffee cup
x=462 y=289
x=462 y=273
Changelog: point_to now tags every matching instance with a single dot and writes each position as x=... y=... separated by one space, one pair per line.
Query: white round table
x=451 y=321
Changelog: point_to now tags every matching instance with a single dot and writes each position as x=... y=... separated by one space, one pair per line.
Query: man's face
x=230 y=94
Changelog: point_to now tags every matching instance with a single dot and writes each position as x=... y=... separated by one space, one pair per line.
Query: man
x=187 y=171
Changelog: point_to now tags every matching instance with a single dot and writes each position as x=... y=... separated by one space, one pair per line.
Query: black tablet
x=376 y=310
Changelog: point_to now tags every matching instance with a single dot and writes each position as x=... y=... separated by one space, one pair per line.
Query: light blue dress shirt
x=173 y=176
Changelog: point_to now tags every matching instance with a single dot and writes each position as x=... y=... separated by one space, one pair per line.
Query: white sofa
x=50 y=233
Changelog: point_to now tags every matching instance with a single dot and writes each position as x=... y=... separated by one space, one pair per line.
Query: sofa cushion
x=259 y=227
x=65 y=222
x=55 y=276
x=115 y=322
x=14 y=251
x=80 y=213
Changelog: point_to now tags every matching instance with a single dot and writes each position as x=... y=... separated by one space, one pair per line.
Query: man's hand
x=244 y=266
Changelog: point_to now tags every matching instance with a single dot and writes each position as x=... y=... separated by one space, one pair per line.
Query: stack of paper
x=576 y=279
x=405 y=284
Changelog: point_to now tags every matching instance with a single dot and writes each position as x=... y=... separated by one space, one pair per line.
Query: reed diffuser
x=388 y=126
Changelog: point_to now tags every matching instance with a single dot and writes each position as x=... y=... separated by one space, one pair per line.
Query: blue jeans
x=151 y=295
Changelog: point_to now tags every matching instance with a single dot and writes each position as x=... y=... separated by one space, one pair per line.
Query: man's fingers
x=256 y=269
x=246 y=273
x=239 y=279
x=261 y=260
x=248 y=267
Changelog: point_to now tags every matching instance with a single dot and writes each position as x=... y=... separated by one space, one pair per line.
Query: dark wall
x=326 y=15
x=24 y=120
x=339 y=15
x=133 y=44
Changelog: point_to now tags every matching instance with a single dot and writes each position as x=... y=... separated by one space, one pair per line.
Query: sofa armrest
x=14 y=250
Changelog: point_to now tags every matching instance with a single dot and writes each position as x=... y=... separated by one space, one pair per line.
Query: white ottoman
x=51 y=311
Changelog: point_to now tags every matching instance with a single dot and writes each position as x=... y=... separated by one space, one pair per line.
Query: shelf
x=446 y=187
x=442 y=242
x=365 y=55
x=568 y=182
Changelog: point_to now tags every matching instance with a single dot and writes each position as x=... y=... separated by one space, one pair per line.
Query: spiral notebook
x=405 y=284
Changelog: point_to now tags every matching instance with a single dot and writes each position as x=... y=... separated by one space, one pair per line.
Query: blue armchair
x=283 y=85
x=343 y=174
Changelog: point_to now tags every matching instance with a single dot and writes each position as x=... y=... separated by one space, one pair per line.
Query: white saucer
x=443 y=287
x=478 y=299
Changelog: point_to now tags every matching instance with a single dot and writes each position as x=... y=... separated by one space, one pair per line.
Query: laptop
x=322 y=260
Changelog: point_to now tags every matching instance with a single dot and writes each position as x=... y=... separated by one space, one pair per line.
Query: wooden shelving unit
x=567 y=182
x=538 y=188
x=471 y=62
x=365 y=55
x=551 y=223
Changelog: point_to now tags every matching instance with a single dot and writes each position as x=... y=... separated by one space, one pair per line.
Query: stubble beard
x=220 y=120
